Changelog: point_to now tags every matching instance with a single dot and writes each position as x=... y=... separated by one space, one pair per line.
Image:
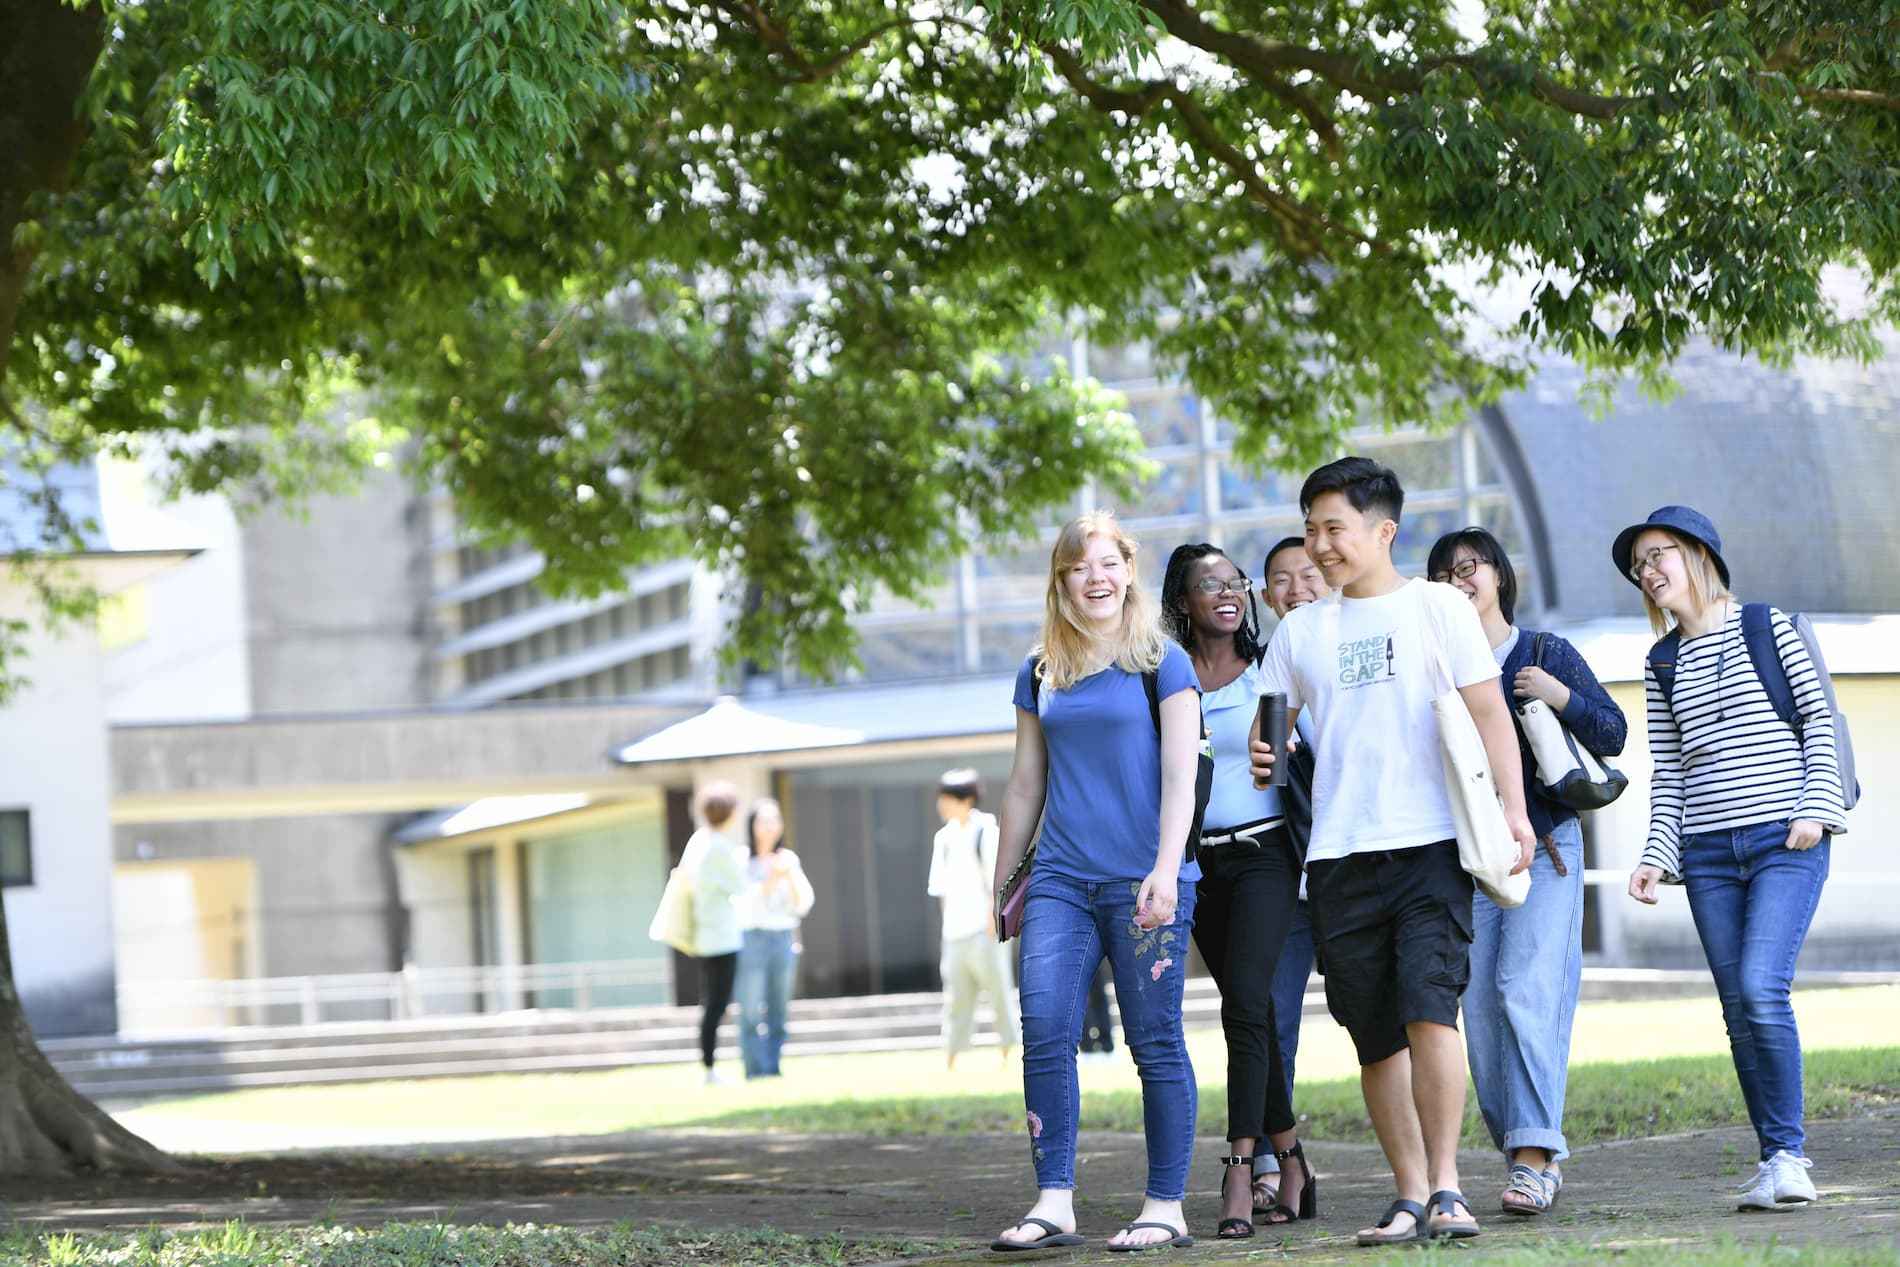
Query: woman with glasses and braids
x=1527 y=962
x=1250 y=881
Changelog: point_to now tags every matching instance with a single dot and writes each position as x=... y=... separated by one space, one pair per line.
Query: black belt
x=1248 y=832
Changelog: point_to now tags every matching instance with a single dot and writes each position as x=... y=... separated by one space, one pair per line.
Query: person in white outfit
x=717 y=865
x=962 y=871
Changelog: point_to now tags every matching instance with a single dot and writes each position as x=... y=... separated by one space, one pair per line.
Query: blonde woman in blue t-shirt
x=1116 y=800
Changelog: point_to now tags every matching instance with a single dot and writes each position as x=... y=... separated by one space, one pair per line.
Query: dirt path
x=1667 y=1190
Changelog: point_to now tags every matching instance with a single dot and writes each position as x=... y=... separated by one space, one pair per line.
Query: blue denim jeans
x=1526 y=971
x=1069 y=926
x=768 y=966
x=1753 y=899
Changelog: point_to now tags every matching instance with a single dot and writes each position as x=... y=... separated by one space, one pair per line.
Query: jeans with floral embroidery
x=1069 y=927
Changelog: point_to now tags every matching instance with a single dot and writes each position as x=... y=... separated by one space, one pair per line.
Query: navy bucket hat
x=1684 y=521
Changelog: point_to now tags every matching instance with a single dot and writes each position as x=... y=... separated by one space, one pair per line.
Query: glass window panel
x=1244 y=489
x=1488 y=472
x=913 y=652
x=1423 y=466
x=1012 y=576
x=1500 y=518
x=1118 y=364
x=1169 y=416
x=1174 y=490
x=938 y=597
x=1248 y=546
x=1417 y=533
x=1002 y=644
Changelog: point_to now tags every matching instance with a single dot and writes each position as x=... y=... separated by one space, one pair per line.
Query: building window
x=16 y=848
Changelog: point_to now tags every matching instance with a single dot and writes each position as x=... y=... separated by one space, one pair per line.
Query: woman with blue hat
x=1742 y=806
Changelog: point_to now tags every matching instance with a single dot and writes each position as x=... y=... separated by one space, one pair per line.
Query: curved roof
x=1798 y=468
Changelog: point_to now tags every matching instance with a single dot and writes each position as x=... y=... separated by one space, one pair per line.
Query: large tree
x=763 y=280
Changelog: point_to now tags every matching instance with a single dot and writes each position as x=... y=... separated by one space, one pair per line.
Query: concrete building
x=369 y=852
x=55 y=836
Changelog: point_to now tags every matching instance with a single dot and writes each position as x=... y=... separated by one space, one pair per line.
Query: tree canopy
x=764 y=280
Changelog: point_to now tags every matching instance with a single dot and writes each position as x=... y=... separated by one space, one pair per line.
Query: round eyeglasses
x=1214 y=585
x=1650 y=558
x=1461 y=569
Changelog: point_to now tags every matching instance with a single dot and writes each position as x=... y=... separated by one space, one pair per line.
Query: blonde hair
x=1698 y=568
x=1070 y=649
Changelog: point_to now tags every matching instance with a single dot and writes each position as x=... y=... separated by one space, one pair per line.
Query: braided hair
x=1174 y=590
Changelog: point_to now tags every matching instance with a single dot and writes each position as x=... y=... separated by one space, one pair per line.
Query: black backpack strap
x=1537 y=649
x=1758 y=634
x=1035 y=686
x=1662 y=662
x=1151 y=683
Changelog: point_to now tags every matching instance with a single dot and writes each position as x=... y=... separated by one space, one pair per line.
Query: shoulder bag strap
x=1662 y=661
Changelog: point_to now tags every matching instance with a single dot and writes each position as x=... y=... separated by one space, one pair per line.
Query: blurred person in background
x=962 y=878
x=716 y=864
x=776 y=899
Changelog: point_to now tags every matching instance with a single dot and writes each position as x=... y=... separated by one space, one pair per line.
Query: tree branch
x=1851 y=96
x=1302 y=230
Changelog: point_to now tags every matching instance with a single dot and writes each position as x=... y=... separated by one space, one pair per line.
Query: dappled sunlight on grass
x=582 y=1103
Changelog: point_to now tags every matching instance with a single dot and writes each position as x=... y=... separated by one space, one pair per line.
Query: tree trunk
x=45 y=1125
x=47 y=51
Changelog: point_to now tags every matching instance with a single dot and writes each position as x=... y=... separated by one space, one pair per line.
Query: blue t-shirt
x=1229 y=711
x=1102 y=812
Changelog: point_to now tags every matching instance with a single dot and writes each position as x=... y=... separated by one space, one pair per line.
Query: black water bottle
x=1273 y=732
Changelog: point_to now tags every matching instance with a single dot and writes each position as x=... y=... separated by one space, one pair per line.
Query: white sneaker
x=714 y=1078
x=1759 y=1193
x=1792 y=1185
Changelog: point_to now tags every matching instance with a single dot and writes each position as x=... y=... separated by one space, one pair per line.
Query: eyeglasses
x=1214 y=585
x=1650 y=558
x=1461 y=569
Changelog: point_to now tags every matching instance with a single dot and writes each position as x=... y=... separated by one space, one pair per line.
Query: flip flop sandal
x=1234 y=1229
x=1051 y=1238
x=1416 y=1232
x=1181 y=1239
x=1444 y=1204
x=1537 y=1190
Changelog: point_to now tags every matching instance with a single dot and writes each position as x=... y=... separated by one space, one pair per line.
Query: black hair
x=962 y=784
x=1284 y=543
x=1361 y=481
x=1174 y=587
x=1489 y=550
x=752 y=826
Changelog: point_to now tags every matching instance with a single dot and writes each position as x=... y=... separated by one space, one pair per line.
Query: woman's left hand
x=1532 y=682
x=1804 y=833
x=1154 y=905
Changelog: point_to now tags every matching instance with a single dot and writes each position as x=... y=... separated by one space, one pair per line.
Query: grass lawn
x=911 y=1092
x=433 y=1244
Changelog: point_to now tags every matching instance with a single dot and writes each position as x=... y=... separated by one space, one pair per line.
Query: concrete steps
x=134 y=1067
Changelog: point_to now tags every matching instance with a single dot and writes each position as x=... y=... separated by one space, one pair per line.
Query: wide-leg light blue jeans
x=768 y=969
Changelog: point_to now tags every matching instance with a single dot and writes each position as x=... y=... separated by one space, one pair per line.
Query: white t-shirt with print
x=1363 y=672
x=962 y=872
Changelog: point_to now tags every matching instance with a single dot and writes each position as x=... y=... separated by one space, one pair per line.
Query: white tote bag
x=673 y=922
x=1486 y=848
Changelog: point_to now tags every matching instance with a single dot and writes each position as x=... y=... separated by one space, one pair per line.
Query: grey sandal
x=1444 y=1206
x=1536 y=1188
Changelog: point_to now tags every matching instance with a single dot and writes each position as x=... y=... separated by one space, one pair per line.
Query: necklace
x=1721 y=663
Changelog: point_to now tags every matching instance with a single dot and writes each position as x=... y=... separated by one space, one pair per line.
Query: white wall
x=53 y=763
x=190 y=660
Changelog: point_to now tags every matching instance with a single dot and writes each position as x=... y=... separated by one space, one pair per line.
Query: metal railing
x=412 y=993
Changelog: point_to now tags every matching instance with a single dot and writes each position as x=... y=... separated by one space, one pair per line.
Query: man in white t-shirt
x=1390 y=904
x=962 y=870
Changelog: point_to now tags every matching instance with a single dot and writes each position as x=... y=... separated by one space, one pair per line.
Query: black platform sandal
x=1282 y=1214
x=1235 y=1229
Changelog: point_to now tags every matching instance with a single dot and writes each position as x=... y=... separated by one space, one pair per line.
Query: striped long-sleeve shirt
x=1723 y=757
